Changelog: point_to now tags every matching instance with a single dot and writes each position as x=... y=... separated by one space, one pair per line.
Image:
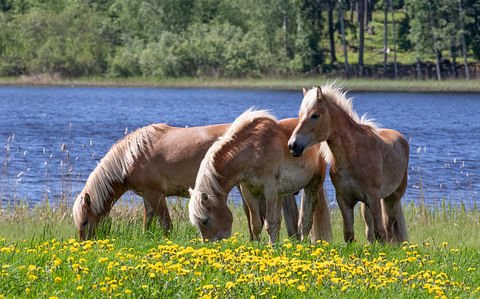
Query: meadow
x=40 y=256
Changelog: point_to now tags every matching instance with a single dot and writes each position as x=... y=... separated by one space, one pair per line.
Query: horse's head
x=85 y=220
x=211 y=215
x=313 y=122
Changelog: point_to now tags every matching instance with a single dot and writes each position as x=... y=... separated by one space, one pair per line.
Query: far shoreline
x=287 y=84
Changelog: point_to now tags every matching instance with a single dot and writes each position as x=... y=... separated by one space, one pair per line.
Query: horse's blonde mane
x=207 y=176
x=336 y=94
x=114 y=166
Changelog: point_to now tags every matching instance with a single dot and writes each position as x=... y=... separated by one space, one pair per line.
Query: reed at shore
x=296 y=83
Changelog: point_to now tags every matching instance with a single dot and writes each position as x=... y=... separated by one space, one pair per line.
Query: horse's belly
x=292 y=180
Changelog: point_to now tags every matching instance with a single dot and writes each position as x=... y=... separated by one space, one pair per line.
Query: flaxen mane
x=114 y=166
x=336 y=95
x=207 y=176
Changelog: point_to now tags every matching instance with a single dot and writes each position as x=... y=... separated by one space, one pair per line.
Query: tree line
x=234 y=38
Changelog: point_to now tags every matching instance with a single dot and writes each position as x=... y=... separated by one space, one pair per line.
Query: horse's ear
x=304 y=90
x=86 y=199
x=190 y=191
x=319 y=93
x=204 y=196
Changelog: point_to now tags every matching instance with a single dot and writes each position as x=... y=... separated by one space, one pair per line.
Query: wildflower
x=79 y=288
x=208 y=286
x=27 y=290
x=58 y=279
x=230 y=285
x=127 y=291
x=144 y=286
x=53 y=297
x=445 y=244
x=102 y=259
x=302 y=288
x=151 y=275
x=103 y=289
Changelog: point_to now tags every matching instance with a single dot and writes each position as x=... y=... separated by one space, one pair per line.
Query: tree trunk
x=464 y=44
x=342 y=29
x=370 y=5
x=361 y=22
x=453 y=51
x=419 y=69
x=395 y=67
x=331 y=31
x=284 y=27
x=385 y=45
x=435 y=48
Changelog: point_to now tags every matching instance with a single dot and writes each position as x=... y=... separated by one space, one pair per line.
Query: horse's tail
x=322 y=227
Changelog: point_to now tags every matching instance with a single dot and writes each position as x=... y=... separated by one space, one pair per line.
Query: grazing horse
x=253 y=153
x=368 y=164
x=154 y=161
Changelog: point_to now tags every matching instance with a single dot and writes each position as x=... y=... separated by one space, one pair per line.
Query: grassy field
x=40 y=257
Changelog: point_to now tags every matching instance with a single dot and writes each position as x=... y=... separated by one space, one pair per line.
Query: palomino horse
x=154 y=161
x=254 y=152
x=367 y=163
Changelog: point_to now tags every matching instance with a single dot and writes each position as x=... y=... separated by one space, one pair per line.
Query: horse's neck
x=345 y=136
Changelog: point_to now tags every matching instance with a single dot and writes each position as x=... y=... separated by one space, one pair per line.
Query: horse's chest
x=347 y=185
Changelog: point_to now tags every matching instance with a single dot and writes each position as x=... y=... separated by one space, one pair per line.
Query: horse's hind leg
x=375 y=207
x=369 y=224
x=290 y=214
x=394 y=217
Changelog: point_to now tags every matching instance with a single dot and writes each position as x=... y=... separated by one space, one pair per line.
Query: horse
x=253 y=152
x=155 y=161
x=368 y=164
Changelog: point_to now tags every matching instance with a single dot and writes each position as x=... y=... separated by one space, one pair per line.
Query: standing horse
x=154 y=161
x=254 y=152
x=368 y=164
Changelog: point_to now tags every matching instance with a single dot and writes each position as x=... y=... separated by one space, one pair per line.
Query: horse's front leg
x=252 y=207
x=158 y=204
x=273 y=212
x=148 y=214
x=347 y=214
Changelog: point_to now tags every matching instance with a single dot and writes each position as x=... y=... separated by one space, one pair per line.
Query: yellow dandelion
x=208 y=286
x=127 y=291
x=79 y=288
x=445 y=244
x=53 y=297
x=302 y=288
x=230 y=285
x=144 y=286
x=103 y=289
x=58 y=279
x=151 y=275
x=27 y=290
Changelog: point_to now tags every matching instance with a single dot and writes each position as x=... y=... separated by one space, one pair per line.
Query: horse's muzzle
x=295 y=149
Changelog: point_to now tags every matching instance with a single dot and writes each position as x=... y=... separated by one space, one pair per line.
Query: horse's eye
x=314 y=116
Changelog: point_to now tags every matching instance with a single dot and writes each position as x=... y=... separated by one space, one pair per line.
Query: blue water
x=443 y=131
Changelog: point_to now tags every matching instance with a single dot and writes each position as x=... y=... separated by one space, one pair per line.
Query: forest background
x=435 y=39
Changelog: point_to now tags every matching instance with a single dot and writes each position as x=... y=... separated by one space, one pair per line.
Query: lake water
x=443 y=131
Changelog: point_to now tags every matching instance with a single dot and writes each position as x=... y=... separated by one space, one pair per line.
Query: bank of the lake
x=354 y=85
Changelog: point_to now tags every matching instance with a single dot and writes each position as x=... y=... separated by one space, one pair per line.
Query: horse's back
x=396 y=141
